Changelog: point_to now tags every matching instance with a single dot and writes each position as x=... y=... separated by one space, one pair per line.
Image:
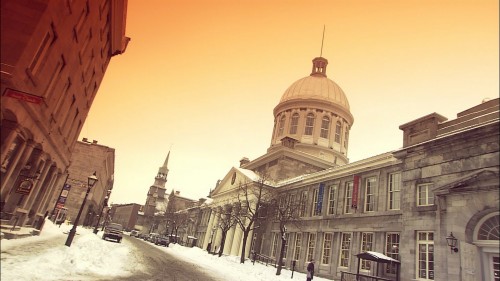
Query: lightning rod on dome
x=322 y=39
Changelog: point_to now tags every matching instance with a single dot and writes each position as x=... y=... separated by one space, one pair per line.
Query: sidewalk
x=8 y=232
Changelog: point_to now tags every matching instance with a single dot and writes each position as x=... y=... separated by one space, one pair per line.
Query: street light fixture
x=452 y=242
x=91 y=181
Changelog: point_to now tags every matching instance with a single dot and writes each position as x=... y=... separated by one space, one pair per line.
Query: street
x=161 y=265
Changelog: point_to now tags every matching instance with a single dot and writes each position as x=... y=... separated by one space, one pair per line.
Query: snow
x=46 y=257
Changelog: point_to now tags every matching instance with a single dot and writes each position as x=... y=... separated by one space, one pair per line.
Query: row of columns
x=234 y=237
x=31 y=207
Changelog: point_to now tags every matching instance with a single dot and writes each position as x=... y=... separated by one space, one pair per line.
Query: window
x=345 y=249
x=489 y=229
x=310 y=246
x=394 y=191
x=331 y=199
x=425 y=255
x=316 y=210
x=298 y=242
x=294 y=123
x=392 y=251
x=281 y=125
x=309 y=124
x=275 y=245
x=348 y=198
x=303 y=200
x=370 y=194
x=325 y=126
x=425 y=197
x=338 y=128
x=366 y=245
x=285 y=251
x=327 y=248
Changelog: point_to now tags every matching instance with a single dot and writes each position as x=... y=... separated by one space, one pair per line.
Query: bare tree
x=285 y=210
x=252 y=197
x=226 y=221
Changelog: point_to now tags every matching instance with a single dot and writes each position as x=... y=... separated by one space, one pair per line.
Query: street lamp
x=452 y=242
x=91 y=181
x=104 y=204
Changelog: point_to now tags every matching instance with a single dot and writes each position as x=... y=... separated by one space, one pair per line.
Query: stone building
x=87 y=158
x=403 y=204
x=54 y=55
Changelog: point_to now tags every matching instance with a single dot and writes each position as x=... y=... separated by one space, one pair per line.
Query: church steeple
x=163 y=171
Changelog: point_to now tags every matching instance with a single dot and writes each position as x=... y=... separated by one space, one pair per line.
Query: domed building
x=314 y=113
x=400 y=215
x=311 y=128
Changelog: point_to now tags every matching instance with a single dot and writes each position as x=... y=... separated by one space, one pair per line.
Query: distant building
x=125 y=214
x=54 y=55
x=156 y=201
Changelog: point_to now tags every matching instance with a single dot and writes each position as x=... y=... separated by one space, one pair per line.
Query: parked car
x=162 y=240
x=152 y=237
x=113 y=231
x=134 y=233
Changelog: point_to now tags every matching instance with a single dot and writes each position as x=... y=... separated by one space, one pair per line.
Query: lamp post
x=104 y=204
x=91 y=181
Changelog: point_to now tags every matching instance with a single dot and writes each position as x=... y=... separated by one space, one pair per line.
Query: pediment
x=232 y=179
x=483 y=179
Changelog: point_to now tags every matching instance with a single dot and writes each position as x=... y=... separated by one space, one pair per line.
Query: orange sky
x=201 y=78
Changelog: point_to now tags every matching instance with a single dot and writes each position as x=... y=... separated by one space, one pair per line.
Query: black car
x=162 y=240
x=113 y=231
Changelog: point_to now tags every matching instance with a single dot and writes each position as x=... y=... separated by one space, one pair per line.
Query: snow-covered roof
x=377 y=257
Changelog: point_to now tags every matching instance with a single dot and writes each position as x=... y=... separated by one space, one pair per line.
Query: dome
x=317 y=87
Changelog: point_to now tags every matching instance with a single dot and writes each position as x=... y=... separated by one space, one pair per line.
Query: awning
x=192 y=237
x=377 y=257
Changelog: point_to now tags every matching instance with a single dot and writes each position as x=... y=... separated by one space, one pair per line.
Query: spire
x=166 y=160
x=320 y=63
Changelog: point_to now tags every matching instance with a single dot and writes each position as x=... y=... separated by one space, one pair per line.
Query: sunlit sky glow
x=201 y=78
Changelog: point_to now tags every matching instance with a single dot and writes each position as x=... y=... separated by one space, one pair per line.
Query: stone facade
x=53 y=58
x=87 y=158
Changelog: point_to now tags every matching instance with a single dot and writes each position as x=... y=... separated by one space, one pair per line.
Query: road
x=161 y=266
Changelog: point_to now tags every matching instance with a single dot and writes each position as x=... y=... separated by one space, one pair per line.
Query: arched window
x=338 y=131
x=281 y=125
x=489 y=229
x=325 y=126
x=294 y=123
x=346 y=138
x=309 y=124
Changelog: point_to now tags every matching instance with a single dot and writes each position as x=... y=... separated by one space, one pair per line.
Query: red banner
x=355 y=191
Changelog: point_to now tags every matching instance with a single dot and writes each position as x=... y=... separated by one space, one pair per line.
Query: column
x=209 y=230
x=235 y=249
x=229 y=240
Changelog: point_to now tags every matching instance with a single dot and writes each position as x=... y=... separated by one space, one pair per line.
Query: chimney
x=177 y=192
x=244 y=161
x=94 y=142
x=85 y=140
